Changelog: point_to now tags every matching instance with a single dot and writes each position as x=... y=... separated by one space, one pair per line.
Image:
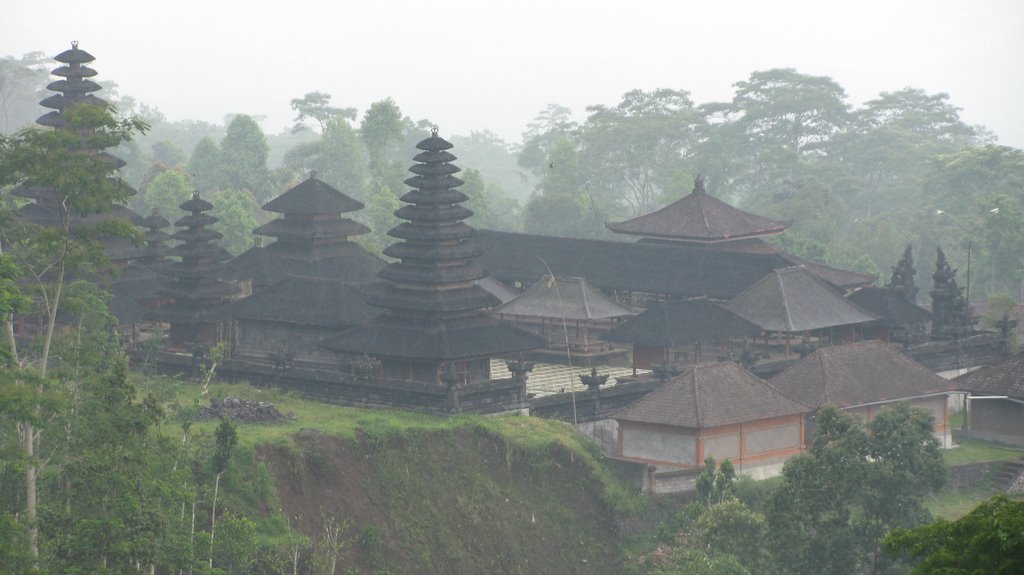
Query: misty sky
x=475 y=65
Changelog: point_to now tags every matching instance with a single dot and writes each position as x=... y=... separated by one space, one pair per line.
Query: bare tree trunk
x=31 y=484
x=213 y=515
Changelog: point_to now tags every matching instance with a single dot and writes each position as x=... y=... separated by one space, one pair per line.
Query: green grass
x=970 y=450
x=954 y=503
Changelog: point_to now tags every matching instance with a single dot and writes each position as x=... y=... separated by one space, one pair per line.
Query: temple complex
x=455 y=320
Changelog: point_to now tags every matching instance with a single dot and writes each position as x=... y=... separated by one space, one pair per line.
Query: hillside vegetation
x=410 y=493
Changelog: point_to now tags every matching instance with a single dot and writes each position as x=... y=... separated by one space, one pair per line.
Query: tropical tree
x=316 y=106
x=244 y=155
x=83 y=183
x=114 y=502
x=563 y=204
x=226 y=440
x=337 y=158
x=166 y=192
x=837 y=502
x=777 y=119
x=21 y=83
x=552 y=125
x=989 y=539
x=205 y=166
x=236 y=211
x=380 y=129
x=638 y=149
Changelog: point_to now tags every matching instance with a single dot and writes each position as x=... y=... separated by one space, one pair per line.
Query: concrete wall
x=657 y=444
x=998 y=420
x=674 y=481
x=721 y=447
x=758 y=448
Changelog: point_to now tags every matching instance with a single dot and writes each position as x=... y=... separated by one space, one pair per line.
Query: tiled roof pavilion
x=712 y=395
x=699 y=217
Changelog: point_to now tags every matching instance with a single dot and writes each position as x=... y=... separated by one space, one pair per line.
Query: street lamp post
x=968 y=229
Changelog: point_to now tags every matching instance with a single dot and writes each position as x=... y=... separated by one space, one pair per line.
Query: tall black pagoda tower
x=74 y=88
x=196 y=293
x=434 y=331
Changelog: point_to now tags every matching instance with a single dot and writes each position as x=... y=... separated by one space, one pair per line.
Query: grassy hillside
x=419 y=494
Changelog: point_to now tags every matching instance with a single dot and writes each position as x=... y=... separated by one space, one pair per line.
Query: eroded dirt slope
x=447 y=502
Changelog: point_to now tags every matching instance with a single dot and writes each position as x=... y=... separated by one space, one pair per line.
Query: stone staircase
x=1006 y=474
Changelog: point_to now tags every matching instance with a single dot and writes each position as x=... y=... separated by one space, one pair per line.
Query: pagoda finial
x=74 y=44
x=433 y=131
x=155 y=211
x=195 y=194
x=312 y=175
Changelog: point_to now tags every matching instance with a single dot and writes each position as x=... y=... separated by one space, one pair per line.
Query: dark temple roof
x=312 y=240
x=682 y=322
x=711 y=395
x=266 y=266
x=894 y=310
x=1004 y=377
x=836 y=277
x=699 y=217
x=312 y=197
x=564 y=298
x=792 y=300
x=857 y=374
x=307 y=301
x=497 y=289
x=677 y=270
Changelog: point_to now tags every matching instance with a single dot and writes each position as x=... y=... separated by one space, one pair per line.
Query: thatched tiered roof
x=433 y=309
x=75 y=88
x=196 y=291
x=312 y=240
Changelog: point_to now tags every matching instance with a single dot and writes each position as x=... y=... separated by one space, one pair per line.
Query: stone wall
x=980 y=349
x=590 y=406
x=968 y=475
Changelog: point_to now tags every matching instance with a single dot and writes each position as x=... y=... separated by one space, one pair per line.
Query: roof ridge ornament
x=433 y=131
x=74 y=44
x=698 y=184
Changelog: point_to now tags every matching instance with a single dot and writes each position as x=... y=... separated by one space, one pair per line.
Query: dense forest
x=859 y=184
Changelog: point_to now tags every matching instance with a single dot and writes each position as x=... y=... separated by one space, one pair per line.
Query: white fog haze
x=472 y=66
